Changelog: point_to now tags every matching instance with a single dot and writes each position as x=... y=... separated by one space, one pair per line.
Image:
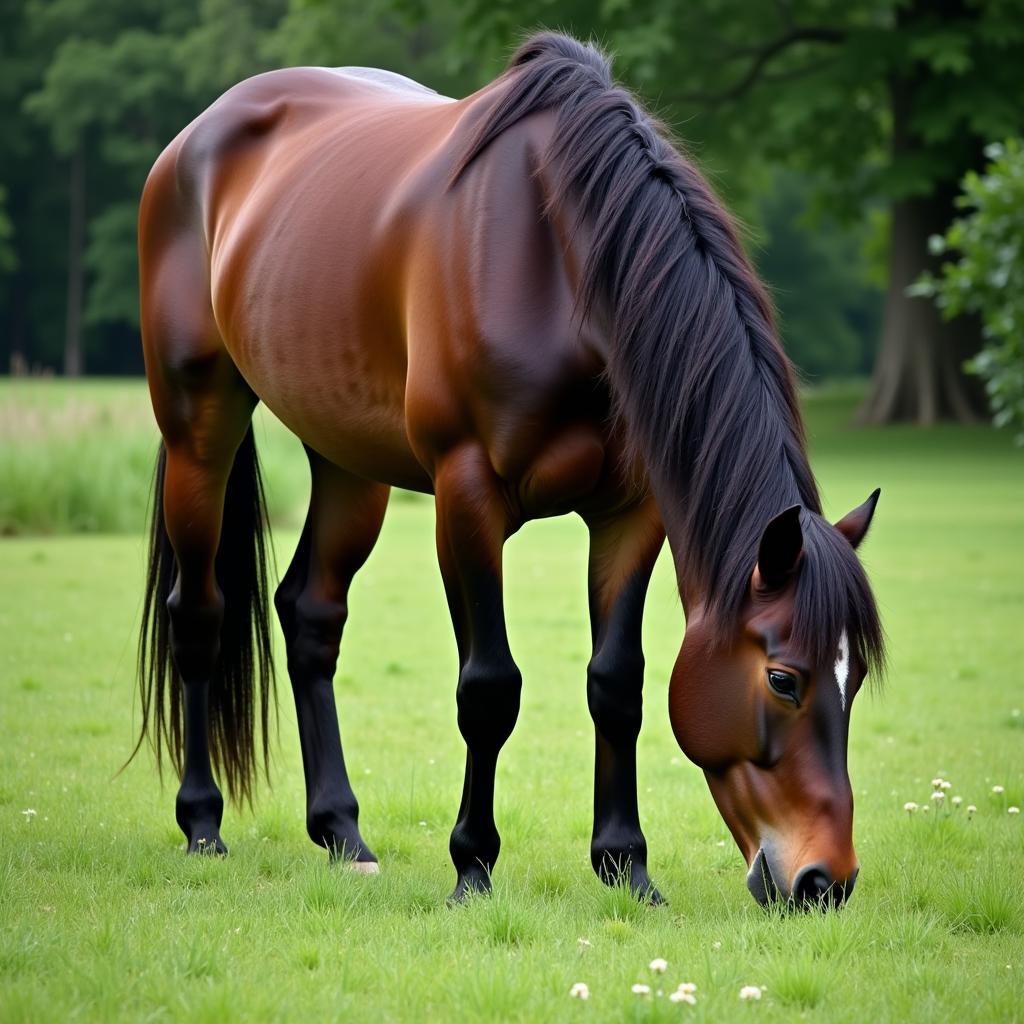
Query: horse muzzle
x=813 y=885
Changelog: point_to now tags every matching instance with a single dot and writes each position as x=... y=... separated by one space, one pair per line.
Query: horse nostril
x=815 y=886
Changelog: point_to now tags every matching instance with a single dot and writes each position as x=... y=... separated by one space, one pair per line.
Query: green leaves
x=985 y=275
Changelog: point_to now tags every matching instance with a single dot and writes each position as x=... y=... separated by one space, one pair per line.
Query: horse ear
x=781 y=545
x=854 y=525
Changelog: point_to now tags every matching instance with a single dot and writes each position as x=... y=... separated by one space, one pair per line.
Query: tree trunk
x=919 y=375
x=74 y=364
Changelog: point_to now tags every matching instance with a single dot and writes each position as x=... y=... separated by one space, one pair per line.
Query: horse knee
x=314 y=638
x=615 y=694
x=488 y=701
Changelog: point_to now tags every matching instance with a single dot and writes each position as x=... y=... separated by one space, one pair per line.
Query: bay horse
x=528 y=303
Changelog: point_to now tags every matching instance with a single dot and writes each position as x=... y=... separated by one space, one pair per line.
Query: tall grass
x=78 y=457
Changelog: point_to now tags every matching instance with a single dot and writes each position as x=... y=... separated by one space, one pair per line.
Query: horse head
x=765 y=711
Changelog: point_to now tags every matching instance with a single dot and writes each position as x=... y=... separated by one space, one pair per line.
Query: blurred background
x=867 y=146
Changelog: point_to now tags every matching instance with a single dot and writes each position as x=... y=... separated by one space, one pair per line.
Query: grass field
x=103 y=918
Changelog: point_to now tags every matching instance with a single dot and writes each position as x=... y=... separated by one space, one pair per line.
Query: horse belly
x=334 y=375
x=305 y=292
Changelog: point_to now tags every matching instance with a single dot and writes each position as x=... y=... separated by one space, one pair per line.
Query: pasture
x=103 y=918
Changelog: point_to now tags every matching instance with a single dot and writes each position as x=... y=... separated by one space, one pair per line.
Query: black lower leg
x=332 y=812
x=472 y=525
x=195 y=631
x=488 y=699
x=344 y=521
x=622 y=557
x=618 y=849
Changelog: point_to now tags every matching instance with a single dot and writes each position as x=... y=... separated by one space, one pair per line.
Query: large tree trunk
x=919 y=375
x=74 y=364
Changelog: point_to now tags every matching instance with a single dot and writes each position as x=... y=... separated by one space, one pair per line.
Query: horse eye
x=784 y=684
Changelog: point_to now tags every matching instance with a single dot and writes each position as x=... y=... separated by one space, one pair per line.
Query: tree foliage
x=984 y=274
x=805 y=84
x=875 y=102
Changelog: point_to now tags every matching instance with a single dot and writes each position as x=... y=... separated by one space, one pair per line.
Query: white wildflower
x=641 y=990
x=937 y=783
x=970 y=810
x=750 y=992
x=925 y=809
x=582 y=942
x=658 y=965
x=29 y=813
x=683 y=997
x=1013 y=810
x=998 y=789
x=687 y=986
x=910 y=807
x=947 y=785
x=938 y=796
x=580 y=990
x=957 y=801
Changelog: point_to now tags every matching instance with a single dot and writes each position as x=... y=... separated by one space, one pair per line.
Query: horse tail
x=242 y=683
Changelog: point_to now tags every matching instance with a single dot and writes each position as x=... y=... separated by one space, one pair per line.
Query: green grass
x=78 y=457
x=103 y=918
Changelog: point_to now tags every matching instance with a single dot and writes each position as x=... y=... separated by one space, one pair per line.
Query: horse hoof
x=472 y=883
x=652 y=897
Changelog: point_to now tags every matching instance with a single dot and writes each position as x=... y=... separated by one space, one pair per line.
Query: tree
x=887 y=101
x=92 y=89
x=982 y=272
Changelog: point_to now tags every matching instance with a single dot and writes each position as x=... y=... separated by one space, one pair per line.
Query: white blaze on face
x=842 y=667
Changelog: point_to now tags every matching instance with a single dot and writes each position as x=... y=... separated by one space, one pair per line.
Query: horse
x=527 y=302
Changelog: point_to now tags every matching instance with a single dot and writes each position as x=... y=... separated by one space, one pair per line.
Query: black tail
x=243 y=678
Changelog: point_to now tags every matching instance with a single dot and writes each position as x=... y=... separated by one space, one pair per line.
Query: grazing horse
x=527 y=303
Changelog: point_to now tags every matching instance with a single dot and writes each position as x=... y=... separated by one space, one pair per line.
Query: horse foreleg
x=472 y=525
x=344 y=521
x=623 y=550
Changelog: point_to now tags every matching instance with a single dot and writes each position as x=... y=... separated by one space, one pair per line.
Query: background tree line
x=838 y=130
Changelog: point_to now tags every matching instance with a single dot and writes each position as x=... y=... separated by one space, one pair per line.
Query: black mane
x=699 y=378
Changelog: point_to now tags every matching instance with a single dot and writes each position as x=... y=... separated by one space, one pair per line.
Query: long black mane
x=700 y=380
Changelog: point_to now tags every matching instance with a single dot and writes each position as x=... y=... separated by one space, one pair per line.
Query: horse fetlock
x=199 y=809
x=199 y=801
x=616 y=851
x=334 y=826
x=474 y=848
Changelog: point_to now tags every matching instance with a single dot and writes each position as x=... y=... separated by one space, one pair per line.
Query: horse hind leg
x=203 y=407
x=342 y=526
